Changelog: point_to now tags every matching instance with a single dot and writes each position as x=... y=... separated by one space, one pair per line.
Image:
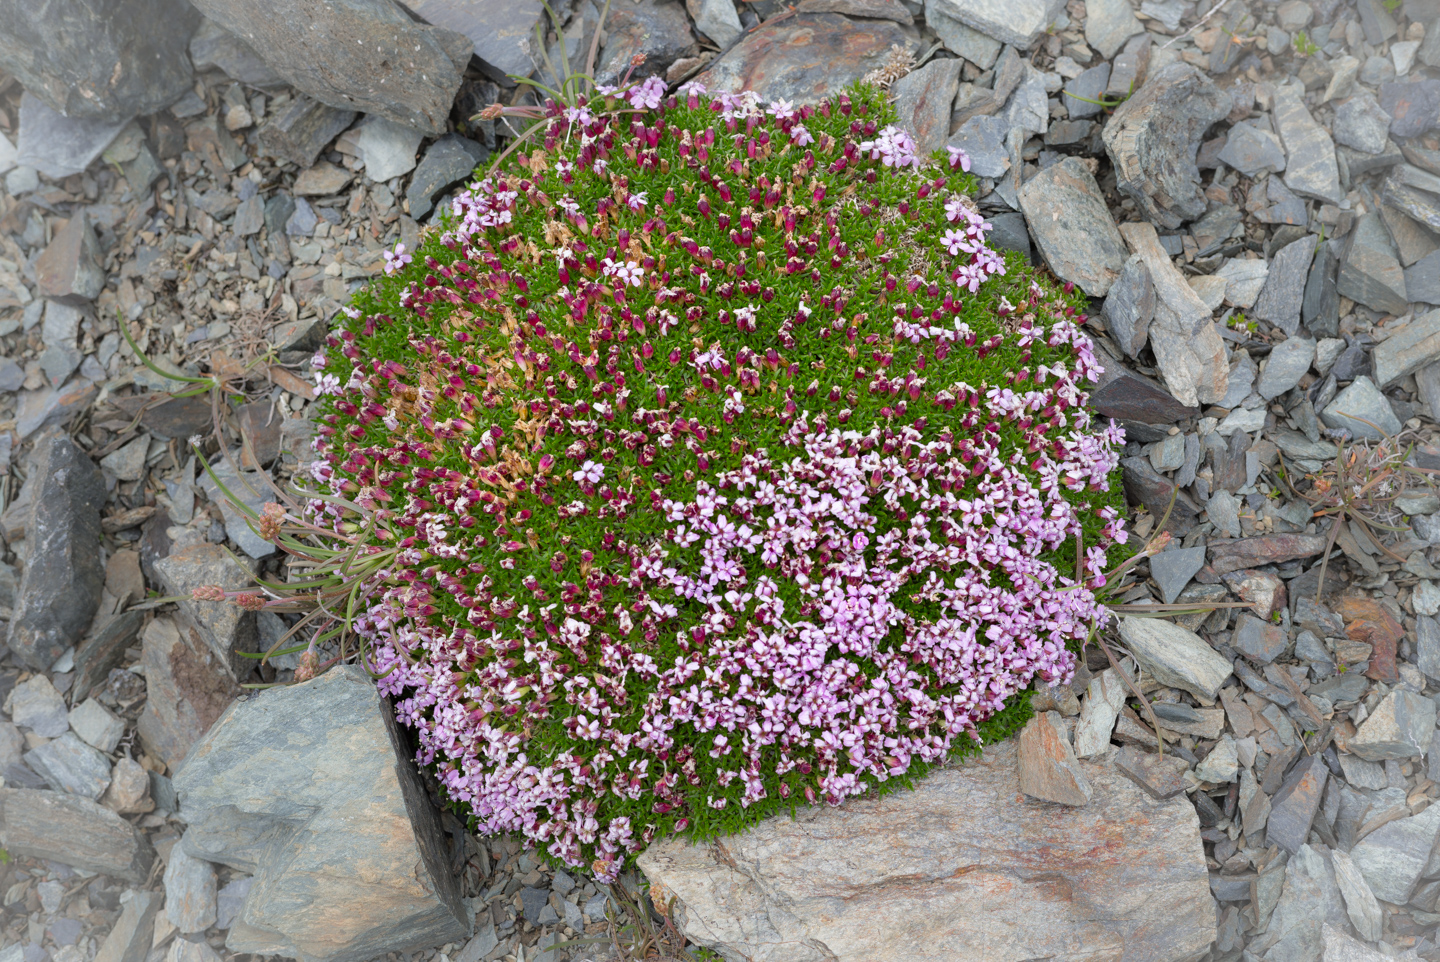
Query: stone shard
x=106 y=60
x=1019 y=23
x=1163 y=776
x=1152 y=139
x=188 y=687
x=1188 y=349
x=1360 y=902
x=309 y=788
x=189 y=891
x=226 y=629
x=1370 y=270
x=1130 y=306
x=1283 y=294
x=657 y=32
x=963 y=868
x=447 y=162
x=1287 y=364
x=1071 y=225
x=301 y=129
x=1311 y=169
x=1340 y=947
x=808 y=57
x=503 y=33
x=36 y=705
x=1422 y=279
x=718 y=20
x=74 y=831
x=1047 y=764
x=60 y=590
x=1176 y=656
x=212 y=46
x=922 y=102
x=71 y=268
x=1309 y=900
x=1104 y=698
x=1252 y=149
x=1394 y=856
x=964 y=40
x=129 y=939
x=377 y=59
x=1293 y=808
x=1108 y=24
x=1398 y=728
x=1407 y=349
x=1363 y=411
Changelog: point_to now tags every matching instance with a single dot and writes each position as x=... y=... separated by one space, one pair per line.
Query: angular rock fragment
x=983 y=140
x=971 y=856
x=1292 y=810
x=1108 y=24
x=377 y=59
x=643 y=38
x=1370 y=270
x=503 y=34
x=73 y=831
x=301 y=129
x=1130 y=305
x=1017 y=22
x=1221 y=765
x=448 y=161
x=1104 y=698
x=1252 y=150
x=1311 y=170
x=1176 y=656
x=1152 y=139
x=1360 y=903
x=36 y=705
x=189 y=891
x=1422 y=279
x=1309 y=900
x=718 y=20
x=60 y=590
x=1340 y=947
x=129 y=939
x=922 y=102
x=1048 y=767
x=964 y=40
x=1244 y=280
x=226 y=629
x=1363 y=411
x=1071 y=225
x=1281 y=299
x=69 y=765
x=212 y=46
x=1394 y=856
x=308 y=788
x=70 y=269
x=188 y=688
x=1173 y=569
x=1287 y=364
x=1407 y=349
x=1360 y=123
x=1260 y=641
x=1398 y=728
x=1162 y=776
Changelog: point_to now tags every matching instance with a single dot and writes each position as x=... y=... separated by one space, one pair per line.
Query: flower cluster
x=725 y=468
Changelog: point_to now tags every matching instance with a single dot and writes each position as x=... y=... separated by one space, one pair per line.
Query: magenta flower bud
x=703 y=206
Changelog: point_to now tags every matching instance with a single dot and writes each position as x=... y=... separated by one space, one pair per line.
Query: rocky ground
x=1249 y=193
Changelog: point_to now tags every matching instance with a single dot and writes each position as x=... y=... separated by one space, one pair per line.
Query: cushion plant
x=723 y=468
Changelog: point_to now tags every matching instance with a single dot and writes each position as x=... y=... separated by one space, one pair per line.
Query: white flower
x=591 y=471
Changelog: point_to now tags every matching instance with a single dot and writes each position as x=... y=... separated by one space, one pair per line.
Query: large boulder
x=964 y=868
x=99 y=59
x=308 y=788
x=364 y=55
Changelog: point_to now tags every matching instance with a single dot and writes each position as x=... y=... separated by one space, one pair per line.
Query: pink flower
x=590 y=471
x=396 y=259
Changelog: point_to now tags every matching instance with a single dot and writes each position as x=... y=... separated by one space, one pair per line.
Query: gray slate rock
x=1251 y=149
x=1283 y=294
x=1422 y=279
x=1309 y=900
x=96 y=726
x=69 y=765
x=922 y=102
x=1415 y=105
x=1071 y=225
x=190 y=902
x=1311 y=170
x=36 y=705
x=1108 y=24
x=301 y=129
x=212 y=46
x=1258 y=640
x=1173 y=569
x=60 y=590
x=1089 y=85
x=1363 y=411
x=503 y=34
x=106 y=60
x=309 y=788
x=1176 y=656
x=1320 y=304
x=1153 y=137
x=961 y=38
x=56 y=145
x=983 y=139
x=187 y=688
x=388 y=149
x=1287 y=364
x=1370 y=270
x=377 y=59
x=74 y=831
x=250 y=489
x=1292 y=810
x=1393 y=857
x=1407 y=350
x=1427 y=646
x=129 y=939
x=448 y=161
x=1361 y=123
x=1398 y=728
x=1130 y=306
x=1017 y=22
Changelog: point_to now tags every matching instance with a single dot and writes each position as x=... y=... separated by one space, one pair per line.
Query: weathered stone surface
x=189 y=891
x=1176 y=656
x=56 y=145
x=1158 y=493
x=657 y=32
x=1414 y=105
x=1188 y=349
x=1122 y=393
x=448 y=161
x=1281 y=298
x=376 y=59
x=1398 y=728
x=1071 y=225
x=212 y=46
x=188 y=688
x=60 y=589
x=983 y=140
x=388 y=149
x=503 y=34
x=1047 y=764
x=718 y=20
x=36 y=705
x=1370 y=270
x=1244 y=280
x=106 y=60
x=1130 y=306
x=1320 y=306
x=1173 y=569
x=1311 y=170
x=1408 y=349
x=1221 y=765
x=1363 y=411
x=1260 y=641
x=960 y=860
x=1162 y=776
x=1422 y=279
x=1340 y=947
x=964 y=40
x=69 y=765
x=1152 y=139
x=1016 y=22
x=70 y=269
x=1309 y=900
x=225 y=629
x=301 y=129
x=1108 y=24
x=129 y=939
x=308 y=787
x=1251 y=149
x=1360 y=902
x=129 y=791
x=320 y=180
x=103 y=650
x=74 y=831
x=1360 y=123
x=1293 y=808
x=1287 y=364
x=96 y=725
x=807 y=57
x=1393 y=857
x=922 y=102
x=1104 y=698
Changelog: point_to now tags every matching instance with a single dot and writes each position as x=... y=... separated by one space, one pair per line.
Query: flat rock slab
x=1176 y=656
x=1311 y=169
x=964 y=868
x=1068 y=218
x=376 y=59
x=1408 y=349
x=503 y=33
x=922 y=102
x=1363 y=411
x=74 y=831
x=1370 y=270
x=1152 y=139
x=188 y=687
x=1017 y=22
x=106 y=60
x=308 y=787
x=808 y=57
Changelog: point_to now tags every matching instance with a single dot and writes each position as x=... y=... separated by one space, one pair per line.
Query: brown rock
x=1228 y=556
x=808 y=57
x=188 y=689
x=963 y=868
x=123 y=578
x=1163 y=776
x=75 y=831
x=71 y=268
x=226 y=628
x=1368 y=621
x=129 y=791
x=871 y=9
x=1049 y=769
x=260 y=425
